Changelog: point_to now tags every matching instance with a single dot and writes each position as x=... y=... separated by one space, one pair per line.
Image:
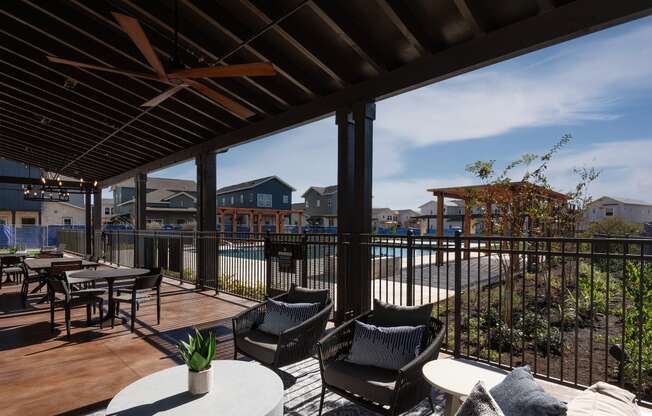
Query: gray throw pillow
x=479 y=403
x=280 y=316
x=386 y=314
x=385 y=347
x=298 y=294
x=520 y=395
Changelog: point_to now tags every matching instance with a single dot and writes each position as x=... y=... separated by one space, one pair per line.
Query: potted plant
x=198 y=354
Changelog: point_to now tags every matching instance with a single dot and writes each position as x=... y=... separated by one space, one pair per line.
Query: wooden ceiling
x=328 y=54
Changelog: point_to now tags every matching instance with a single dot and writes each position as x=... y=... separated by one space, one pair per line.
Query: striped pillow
x=281 y=316
x=385 y=347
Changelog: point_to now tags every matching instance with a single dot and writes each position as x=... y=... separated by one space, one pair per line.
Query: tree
x=528 y=206
x=613 y=227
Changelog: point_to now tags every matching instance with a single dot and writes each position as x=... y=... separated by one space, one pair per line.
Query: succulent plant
x=199 y=351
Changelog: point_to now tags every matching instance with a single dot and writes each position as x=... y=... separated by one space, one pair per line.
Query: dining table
x=108 y=274
x=43 y=265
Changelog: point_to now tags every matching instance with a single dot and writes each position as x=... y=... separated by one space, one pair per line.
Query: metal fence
x=576 y=310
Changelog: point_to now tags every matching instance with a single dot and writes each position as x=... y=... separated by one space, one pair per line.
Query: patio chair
x=70 y=300
x=10 y=266
x=388 y=392
x=144 y=289
x=292 y=345
x=29 y=277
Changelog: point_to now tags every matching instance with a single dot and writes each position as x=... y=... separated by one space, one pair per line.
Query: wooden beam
x=308 y=55
x=469 y=18
x=402 y=26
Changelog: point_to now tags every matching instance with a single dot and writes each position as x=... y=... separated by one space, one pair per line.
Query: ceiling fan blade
x=102 y=68
x=222 y=100
x=132 y=27
x=252 y=70
x=163 y=96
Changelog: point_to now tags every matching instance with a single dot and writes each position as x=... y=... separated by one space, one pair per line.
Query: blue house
x=254 y=206
x=270 y=192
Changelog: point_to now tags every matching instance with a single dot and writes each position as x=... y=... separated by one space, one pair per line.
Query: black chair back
x=52 y=255
x=59 y=268
x=59 y=286
x=148 y=282
x=8 y=261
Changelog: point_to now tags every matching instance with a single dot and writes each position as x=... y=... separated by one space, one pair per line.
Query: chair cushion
x=258 y=345
x=386 y=314
x=602 y=399
x=140 y=296
x=373 y=383
x=479 y=403
x=12 y=270
x=298 y=294
x=519 y=394
x=385 y=347
x=280 y=316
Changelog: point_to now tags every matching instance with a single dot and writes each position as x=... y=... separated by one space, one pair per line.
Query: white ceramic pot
x=200 y=382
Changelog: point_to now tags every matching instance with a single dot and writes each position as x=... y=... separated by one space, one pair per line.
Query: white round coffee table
x=458 y=377
x=240 y=388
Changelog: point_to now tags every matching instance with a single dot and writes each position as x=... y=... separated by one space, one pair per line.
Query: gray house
x=14 y=209
x=169 y=202
x=321 y=206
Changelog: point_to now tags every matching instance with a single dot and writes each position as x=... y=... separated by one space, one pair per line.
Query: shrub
x=198 y=352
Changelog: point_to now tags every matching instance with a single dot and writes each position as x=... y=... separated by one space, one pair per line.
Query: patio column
x=354 y=180
x=440 y=227
x=97 y=221
x=140 y=224
x=467 y=227
x=206 y=207
x=88 y=228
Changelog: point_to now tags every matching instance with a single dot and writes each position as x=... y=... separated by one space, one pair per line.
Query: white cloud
x=580 y=84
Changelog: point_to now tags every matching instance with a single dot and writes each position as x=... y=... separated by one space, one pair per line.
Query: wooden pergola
x=259 y=214
x=466 y=193
x=332 y=57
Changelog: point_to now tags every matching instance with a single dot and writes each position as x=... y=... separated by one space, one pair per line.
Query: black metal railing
x=72 y=240
x=576 y=310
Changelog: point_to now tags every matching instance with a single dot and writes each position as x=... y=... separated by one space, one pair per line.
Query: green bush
x=230 y=284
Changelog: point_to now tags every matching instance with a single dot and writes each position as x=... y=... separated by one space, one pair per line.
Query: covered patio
x=87 y=94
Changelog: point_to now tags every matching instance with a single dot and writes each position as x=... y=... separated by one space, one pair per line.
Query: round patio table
x=457 y=378
x=239 y=388
x=109 y=275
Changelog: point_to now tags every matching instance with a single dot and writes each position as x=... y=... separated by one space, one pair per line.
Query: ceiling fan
x=178 y=79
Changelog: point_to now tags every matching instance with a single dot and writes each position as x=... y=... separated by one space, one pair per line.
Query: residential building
x=72 y=212
x=169 y=202
x=384 y=217
x=260 y=202
x=630 y=210
x=408 y=218
x=14 y=209
x=453 y=215
x=107 y=210
x=321 y=205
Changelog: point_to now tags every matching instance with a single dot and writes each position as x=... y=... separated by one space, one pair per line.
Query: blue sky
x=596 y=88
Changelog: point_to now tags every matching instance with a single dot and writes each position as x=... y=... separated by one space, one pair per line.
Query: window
x=232 y=200
x=107 y=211
x=242 y=198
x=251 y=197
x=28 y=221
x=330 y=203
x=307 y=204
x=67 y=221
x=111 y=210
x=286 y=199
x=223 y=201
x=264 y=200
x=609 y=212
x=318 y=203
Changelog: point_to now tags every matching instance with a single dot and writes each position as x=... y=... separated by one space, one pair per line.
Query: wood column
x=260 y=223
x=355 y=146
x=88 y=249
x=207 y=255
x=440 y=227
x=97 y=221
x=467 y=227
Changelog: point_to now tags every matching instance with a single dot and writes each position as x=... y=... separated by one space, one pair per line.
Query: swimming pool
x=258 y=252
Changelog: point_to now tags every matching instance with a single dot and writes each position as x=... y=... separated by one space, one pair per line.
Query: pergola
x=332 y=57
